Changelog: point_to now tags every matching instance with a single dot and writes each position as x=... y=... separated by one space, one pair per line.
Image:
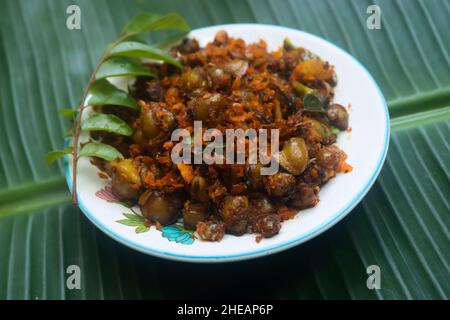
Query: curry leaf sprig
x=119 y=59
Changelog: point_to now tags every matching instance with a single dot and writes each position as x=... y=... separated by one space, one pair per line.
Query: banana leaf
x=402 y=225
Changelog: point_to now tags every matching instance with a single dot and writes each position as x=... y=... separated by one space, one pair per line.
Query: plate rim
x=324 y=226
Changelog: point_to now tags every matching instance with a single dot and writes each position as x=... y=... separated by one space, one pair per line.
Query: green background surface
x=402 y=225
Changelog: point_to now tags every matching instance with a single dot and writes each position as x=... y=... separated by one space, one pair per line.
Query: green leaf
x=104 y=93
x=120 y=66
x=149 y=22
x=335 y=130
x=139 y=50
x=56 y=154
x=141 y=229
x=168 y=42
x=130 y=222
x=401 y=225
x=106 y=122
x=100 y=150
x=67 y=113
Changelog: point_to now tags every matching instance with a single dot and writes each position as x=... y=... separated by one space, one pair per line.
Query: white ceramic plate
x=366 y=146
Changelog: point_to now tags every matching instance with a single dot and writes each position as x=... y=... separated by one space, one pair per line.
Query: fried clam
x=331 y=160
x=313 y=69
x=218 y=78
x=193 y=78
x=260 y=204
x=206 y=108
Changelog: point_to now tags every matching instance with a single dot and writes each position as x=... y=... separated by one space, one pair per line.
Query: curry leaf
x=100 y=150
x=120 y=66
x=147 y=22
x=56 y=154
x=139 y=50
x=106 y=122
x=102 y=92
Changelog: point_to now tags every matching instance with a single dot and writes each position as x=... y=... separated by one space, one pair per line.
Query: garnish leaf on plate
x=120 y=66
x=106 y=122
x=311 y=98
